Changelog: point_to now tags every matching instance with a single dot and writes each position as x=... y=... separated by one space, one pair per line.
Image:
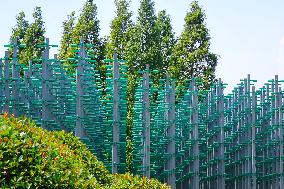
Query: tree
x=33 y=36
x=119 y=27
x=166 y=42
x=192 y=52
x=117 y=43
x=88 y=28
x=66 y=40
x=19 y=31
x=142 y=48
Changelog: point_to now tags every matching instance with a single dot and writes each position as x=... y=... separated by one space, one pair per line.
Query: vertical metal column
x=79 y=129
x=248 y=151
x=253 y=132
x=7 y=83
x=146 y=103
x=31 y=92
x=281 y=170
x=279 y=117
x=271 y=152
x=46 y=97
x=171 y=135
x=262 y=153
x=57 y=117
x=25 y=96
x=195 y=183
x=61 y=94
x=221 y=164
x=15 y=79
x=267 y=123
x=274 y=132
x=115 y=131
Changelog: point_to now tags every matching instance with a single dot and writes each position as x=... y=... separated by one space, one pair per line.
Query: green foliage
x=31 y=157
x=126 y=181
x=19 y=31
x=119 y=27
x=88 y=28
x=150 y=40
x=192 y=52
x=66 y=40
x=117 y=43
x=33 y=36
x=143 y=46
x=166 y=42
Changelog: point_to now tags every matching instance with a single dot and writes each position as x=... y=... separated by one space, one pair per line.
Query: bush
x=125 y=181
x=31 y=157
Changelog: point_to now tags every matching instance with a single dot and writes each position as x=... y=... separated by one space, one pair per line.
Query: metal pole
x=115 y=132
x=7 y=84
x=281 y=170
x=31 y=95
x=25 y=96
x=279 y=117
x=171 y=164
x=79 y=129
x=221 y=164
x=195 y=136
x=146 y=157
x=253 y=130
x=46 y=114
x=15 y=80
x=248 y=162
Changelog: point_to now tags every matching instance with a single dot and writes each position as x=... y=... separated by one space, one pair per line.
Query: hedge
x=31 y=157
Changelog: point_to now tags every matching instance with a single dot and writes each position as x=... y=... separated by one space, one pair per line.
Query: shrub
x=31 y=157
x=125 y=181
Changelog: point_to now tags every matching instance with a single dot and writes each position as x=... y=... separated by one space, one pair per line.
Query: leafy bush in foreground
x=31 y=157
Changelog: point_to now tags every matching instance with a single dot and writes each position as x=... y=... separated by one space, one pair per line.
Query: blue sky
x=247 y=34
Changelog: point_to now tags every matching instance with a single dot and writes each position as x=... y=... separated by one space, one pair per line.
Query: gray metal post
x=46 y=97
x=7 y=83
x=262 y=169
x=278 y=121
x=221 y=163
x=115 y=132
x=32 y=94
x=171 y=164
x=15 y=80
x=248 y=163
x=267 y=169
x=195 y=183
x=281 y=170
x=253 y=132
x=79 y=129
x=272 y=107
x=58 y=119
x=146 y=157
x=61 y=93
x=25 y=95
